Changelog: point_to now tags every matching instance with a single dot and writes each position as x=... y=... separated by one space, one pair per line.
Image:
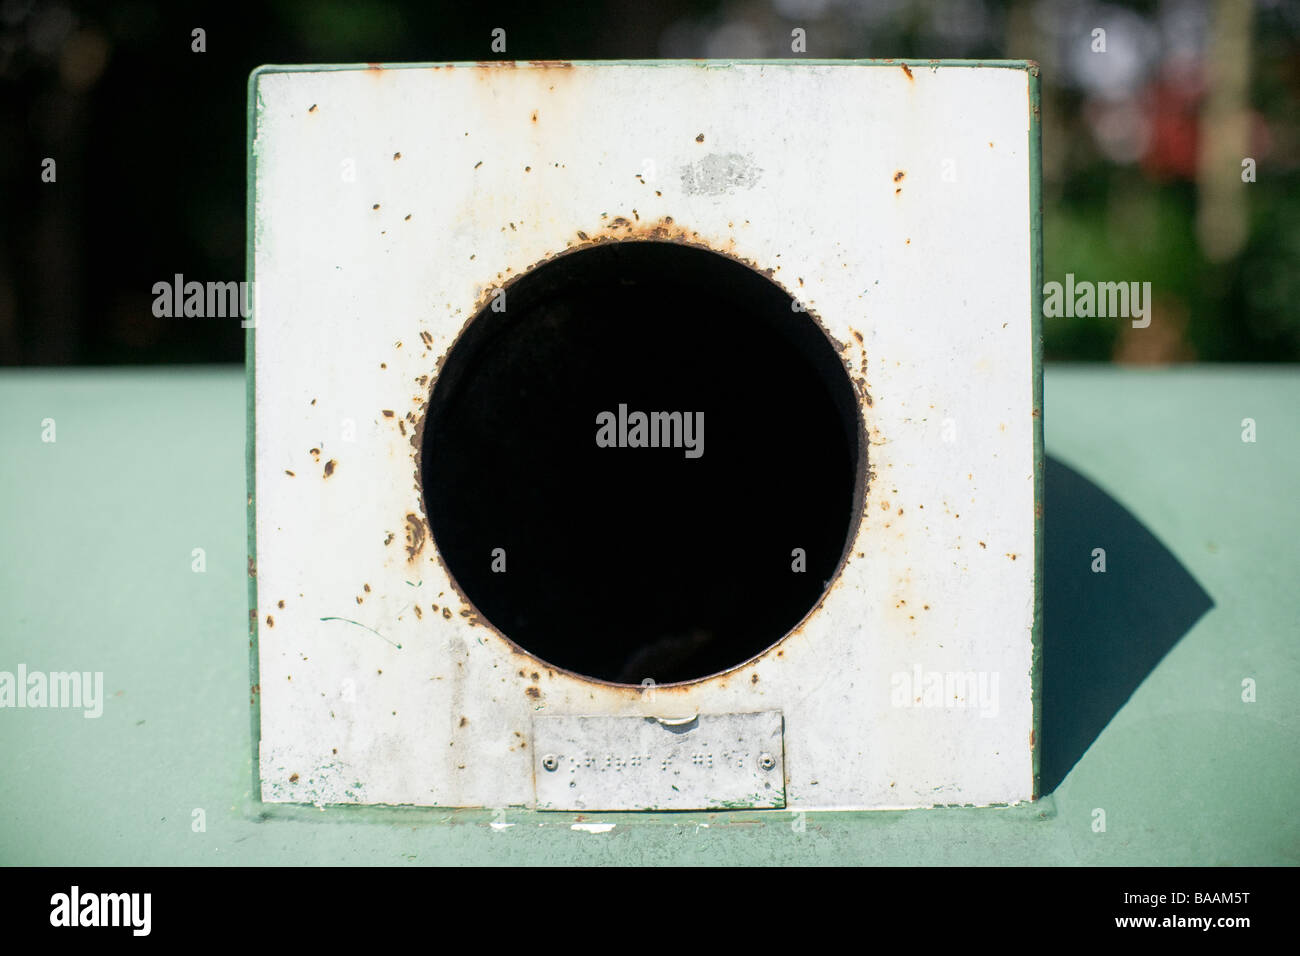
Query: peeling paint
x=720 y=173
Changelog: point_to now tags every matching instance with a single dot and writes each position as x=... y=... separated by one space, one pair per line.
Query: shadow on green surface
x=1103 y=632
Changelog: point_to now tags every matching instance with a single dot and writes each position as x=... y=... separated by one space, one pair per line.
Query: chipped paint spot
x=720 y=173
x=593 y=827
x=414 y=536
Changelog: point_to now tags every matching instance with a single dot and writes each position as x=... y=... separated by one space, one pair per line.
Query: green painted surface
x=99 y=527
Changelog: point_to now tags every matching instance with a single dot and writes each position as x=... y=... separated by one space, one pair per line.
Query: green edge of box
x=250 y=432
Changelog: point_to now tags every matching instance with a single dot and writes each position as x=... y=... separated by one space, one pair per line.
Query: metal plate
x=384 y=207
x=710 y=762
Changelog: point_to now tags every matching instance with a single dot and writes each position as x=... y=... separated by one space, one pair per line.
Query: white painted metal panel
x=895 y=203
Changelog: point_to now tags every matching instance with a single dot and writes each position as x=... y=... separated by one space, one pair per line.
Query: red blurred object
x=1172 y=104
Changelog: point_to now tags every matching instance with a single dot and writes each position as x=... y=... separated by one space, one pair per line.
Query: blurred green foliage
x=149 y=138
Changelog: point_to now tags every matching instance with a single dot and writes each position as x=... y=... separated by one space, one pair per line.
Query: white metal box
x=894 y=205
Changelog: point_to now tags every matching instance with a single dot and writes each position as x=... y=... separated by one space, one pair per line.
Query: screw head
x=550 y=762
x=766 y=761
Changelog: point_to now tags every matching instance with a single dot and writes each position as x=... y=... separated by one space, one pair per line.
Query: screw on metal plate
x=766 y=761
x=550 y=762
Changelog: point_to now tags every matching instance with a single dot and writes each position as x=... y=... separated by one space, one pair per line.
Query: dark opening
x=627 y=563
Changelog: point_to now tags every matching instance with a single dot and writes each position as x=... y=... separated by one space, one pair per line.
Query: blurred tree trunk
x=1221 y=216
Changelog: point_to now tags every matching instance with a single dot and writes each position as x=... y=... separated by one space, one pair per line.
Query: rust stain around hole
x=907 y=70
x=663 y=230
x=415 y=530
x=330 y=466
x=312 y=108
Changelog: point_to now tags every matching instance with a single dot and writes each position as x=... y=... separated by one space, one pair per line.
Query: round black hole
x=626 y=563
